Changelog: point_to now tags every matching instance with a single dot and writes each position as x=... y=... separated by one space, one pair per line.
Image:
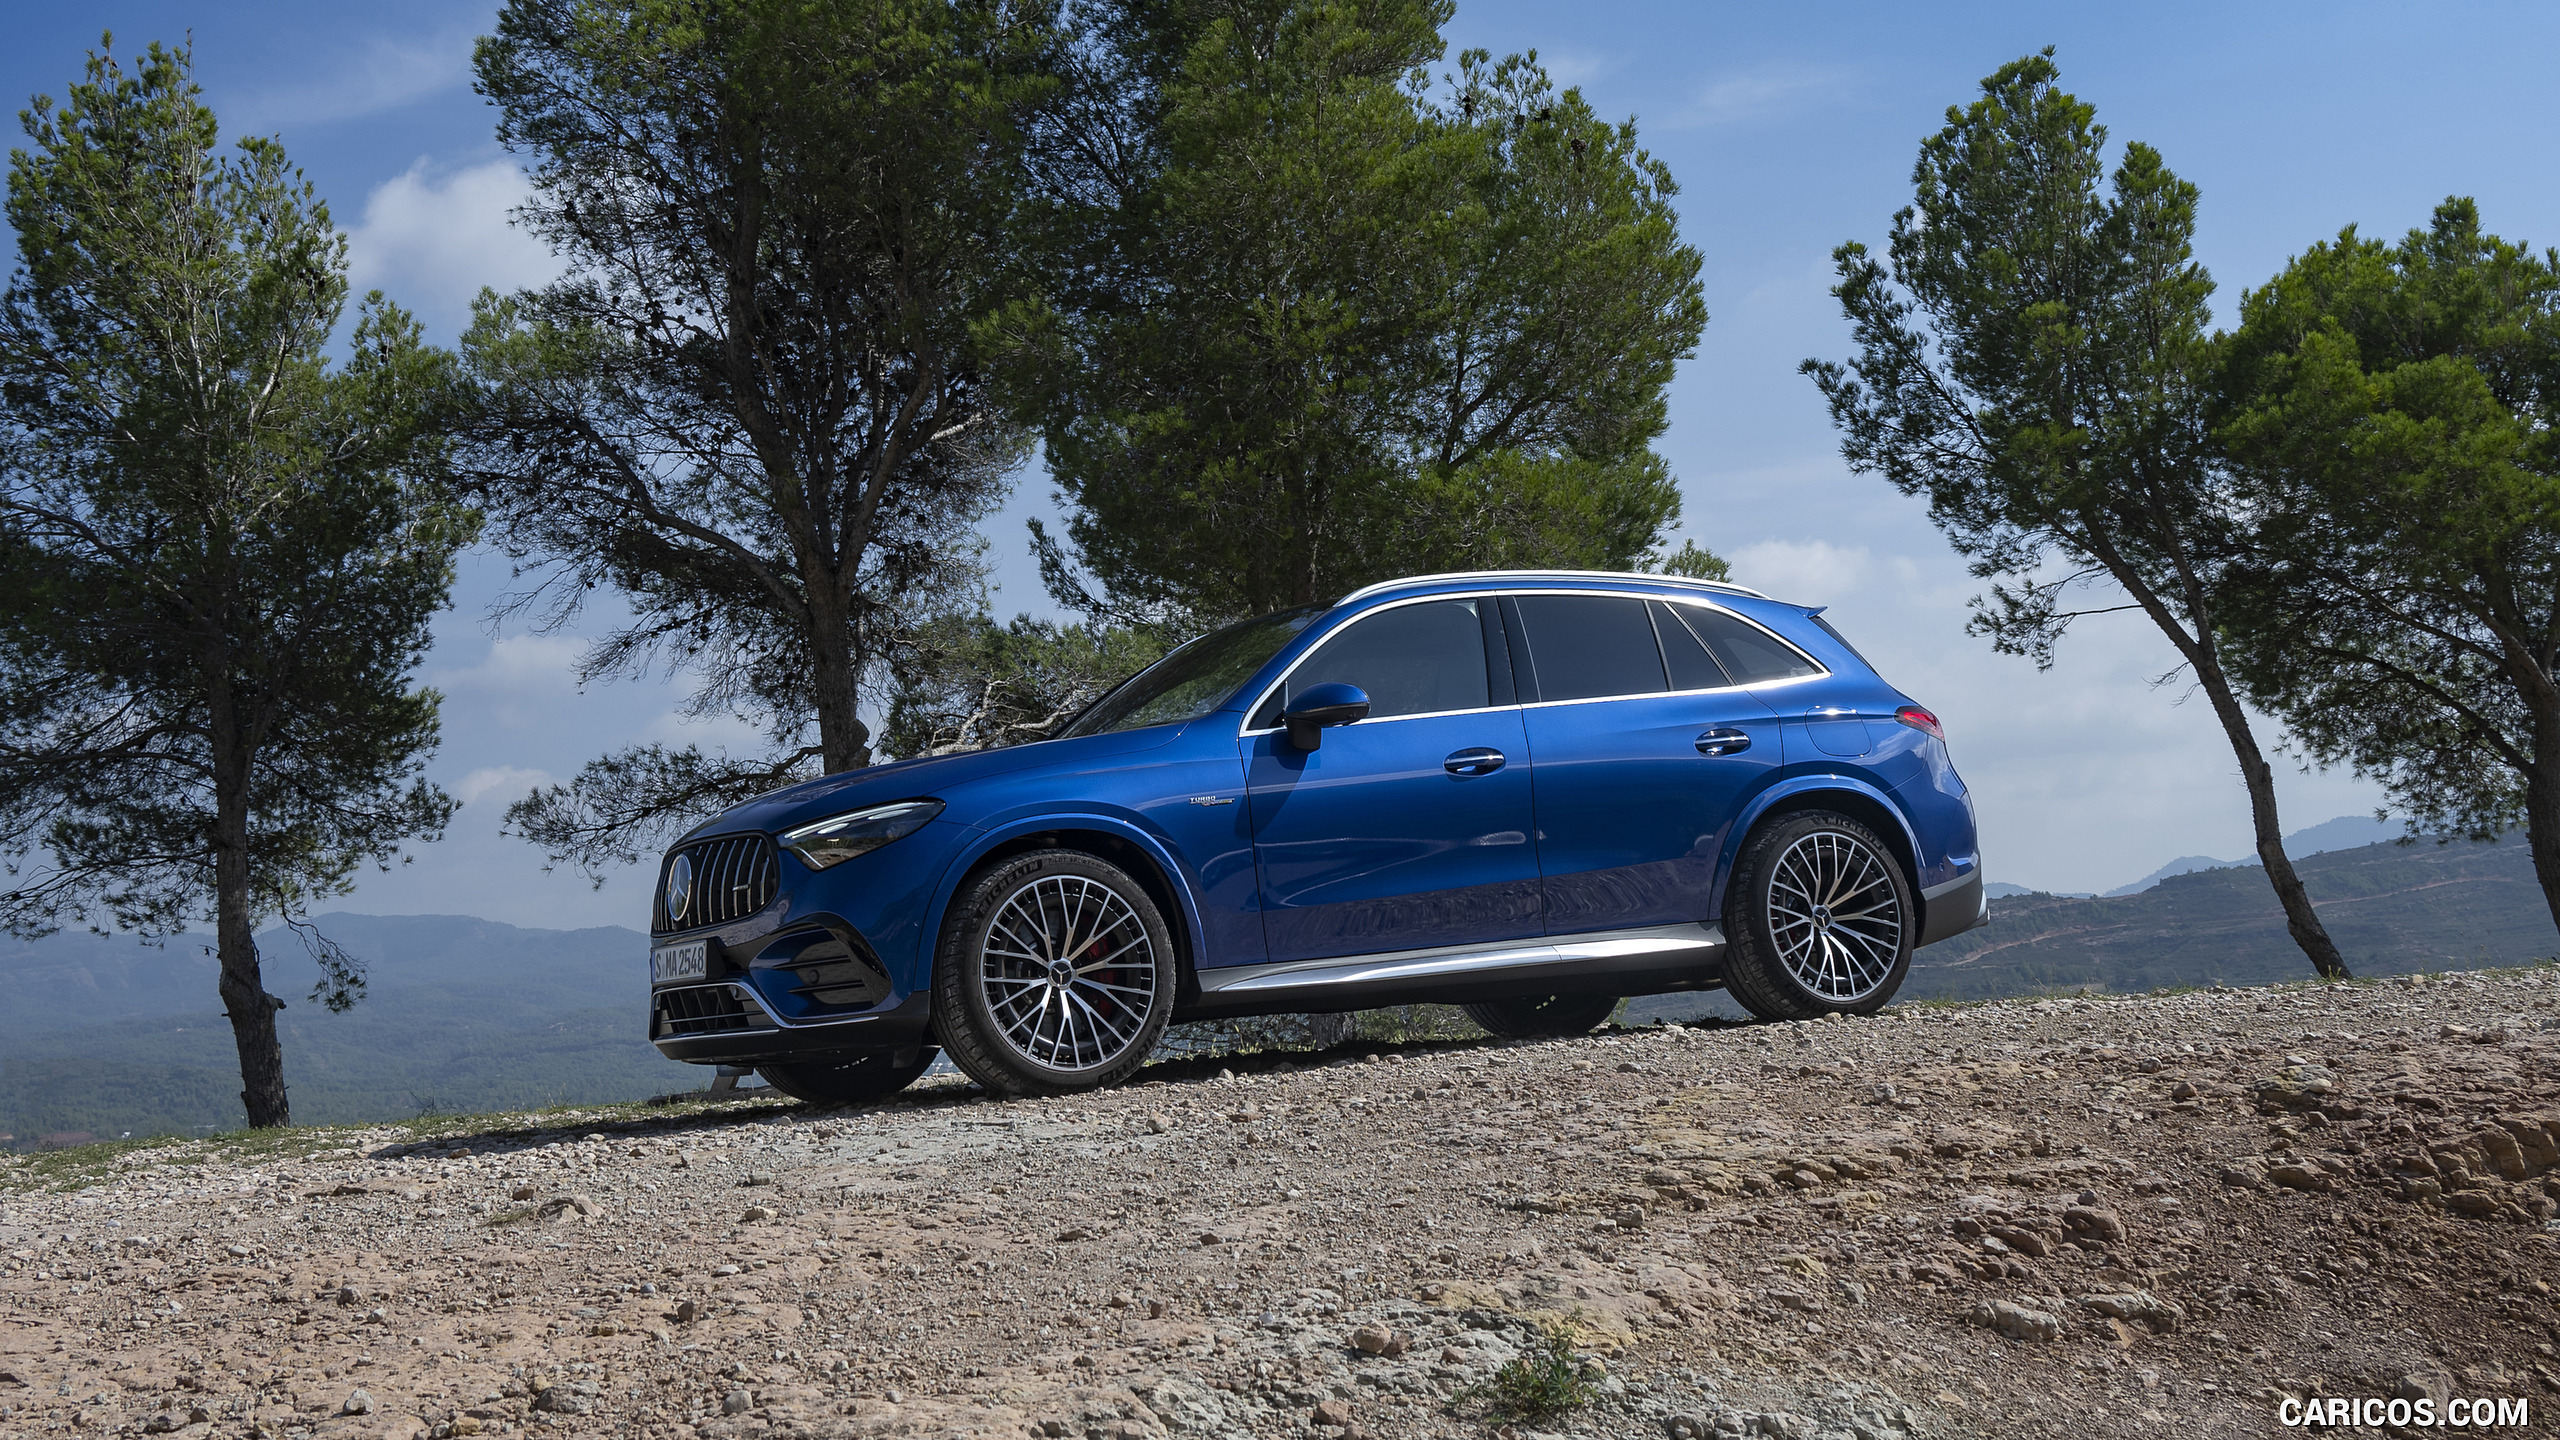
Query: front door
x=1645 y=753
x=1410 y=829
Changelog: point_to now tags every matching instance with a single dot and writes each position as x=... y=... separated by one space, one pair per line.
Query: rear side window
x=1750 y=654
x=1683 y=654
x=1585 y=646
x=1412 y=660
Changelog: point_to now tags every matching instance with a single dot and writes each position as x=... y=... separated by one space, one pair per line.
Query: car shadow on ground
x=687 y=1114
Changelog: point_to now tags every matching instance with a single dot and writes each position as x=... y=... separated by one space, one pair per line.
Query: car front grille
x=704 y=1010
x=733 y=876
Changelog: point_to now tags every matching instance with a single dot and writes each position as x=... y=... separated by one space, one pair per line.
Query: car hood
x=930 y=775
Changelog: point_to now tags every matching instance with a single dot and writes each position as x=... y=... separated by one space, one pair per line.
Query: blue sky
x=1790 y=129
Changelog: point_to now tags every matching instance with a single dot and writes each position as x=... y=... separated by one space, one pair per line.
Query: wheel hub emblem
x=1835 y=916
x=1068 y=973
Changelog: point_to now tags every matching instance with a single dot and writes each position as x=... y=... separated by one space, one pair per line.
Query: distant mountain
x=109 y=1035
x=2347 y=832
x=2002 y=890
x=2391 y=909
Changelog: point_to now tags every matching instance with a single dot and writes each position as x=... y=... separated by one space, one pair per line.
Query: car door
x=1645 y=753
x=1409 y=829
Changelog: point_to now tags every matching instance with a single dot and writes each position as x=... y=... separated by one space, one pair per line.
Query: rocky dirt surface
x=2151 y=1216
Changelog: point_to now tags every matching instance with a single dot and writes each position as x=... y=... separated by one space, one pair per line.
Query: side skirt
x=1655 y=960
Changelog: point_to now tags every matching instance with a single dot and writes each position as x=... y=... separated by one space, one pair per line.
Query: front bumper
x=726 y=1022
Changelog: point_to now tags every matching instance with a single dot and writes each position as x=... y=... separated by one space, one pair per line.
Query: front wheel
x=1055 y=974
x=1820 y=918
x=847 y=1082
x=1542 y=1016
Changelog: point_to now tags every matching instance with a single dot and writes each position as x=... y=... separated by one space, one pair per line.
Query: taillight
x=1921 y=720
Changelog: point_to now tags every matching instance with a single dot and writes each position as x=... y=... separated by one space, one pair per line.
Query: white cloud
x=1809 y=572
x=509 y=781
x=389 y=73
x=516 y=664
x=1570 y=68
x=1765 y=93
x=431 y=238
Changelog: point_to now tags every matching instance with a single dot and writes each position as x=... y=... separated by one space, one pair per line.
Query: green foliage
x=1312 y=327
x=2392 y=409
x=218 y=552
x=753 y=408
x=2034 y=361
x=1694 y=562
x=1545 y=1380
x=966 y=683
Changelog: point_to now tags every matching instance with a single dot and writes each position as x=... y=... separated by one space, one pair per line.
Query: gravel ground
x=2147 y=1216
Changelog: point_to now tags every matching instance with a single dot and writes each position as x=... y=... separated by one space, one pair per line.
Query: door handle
x=1723 y=742
x=1477 y=761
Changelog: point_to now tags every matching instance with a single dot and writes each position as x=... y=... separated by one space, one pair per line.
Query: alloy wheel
x=1068 y=973
x=1835 y=916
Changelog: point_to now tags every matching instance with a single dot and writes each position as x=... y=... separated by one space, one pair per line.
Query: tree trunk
x=245 y=1000
x=2542 y=813
x=844 y=742
x=1326 y=1031
x=2300 y=919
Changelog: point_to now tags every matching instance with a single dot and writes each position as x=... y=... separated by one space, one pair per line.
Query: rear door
x=1645 y=751
x=1409 y=829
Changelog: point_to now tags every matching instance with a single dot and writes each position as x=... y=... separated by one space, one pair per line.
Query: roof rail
x=1384 y=585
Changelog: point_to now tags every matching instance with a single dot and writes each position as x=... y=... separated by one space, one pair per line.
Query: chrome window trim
x=1754 y=687
x=1245 y=732
x=1383 y=586
x=1820 y=670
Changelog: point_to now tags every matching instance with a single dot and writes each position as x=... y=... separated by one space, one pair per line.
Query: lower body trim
x=1652 y=960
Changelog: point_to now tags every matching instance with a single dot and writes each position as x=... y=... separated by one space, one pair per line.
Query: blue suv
x=1529 y=793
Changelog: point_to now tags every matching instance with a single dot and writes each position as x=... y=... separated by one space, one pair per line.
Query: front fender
x=1793 y=787
x=1117 y=823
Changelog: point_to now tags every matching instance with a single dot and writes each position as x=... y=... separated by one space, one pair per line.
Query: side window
x=1750 y=654
x=1585 y=646
x=1412 y=660
x=1683 y=654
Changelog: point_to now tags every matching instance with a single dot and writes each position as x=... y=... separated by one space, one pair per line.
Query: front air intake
x=730 y=877
x=704 y=1010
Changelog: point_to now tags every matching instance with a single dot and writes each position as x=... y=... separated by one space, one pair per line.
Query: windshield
x=1195 y=679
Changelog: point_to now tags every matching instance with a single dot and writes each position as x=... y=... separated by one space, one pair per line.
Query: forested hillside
x=2392 y=909
x=106 y=1035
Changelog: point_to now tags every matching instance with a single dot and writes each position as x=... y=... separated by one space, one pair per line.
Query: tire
x=847 y=1082
x=1091 y=1026
x=1542 y=1016
x=1820 y=918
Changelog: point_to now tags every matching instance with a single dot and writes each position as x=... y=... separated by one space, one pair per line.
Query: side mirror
x=1317 y=706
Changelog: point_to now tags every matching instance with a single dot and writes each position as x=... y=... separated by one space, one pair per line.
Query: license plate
x=687 y=961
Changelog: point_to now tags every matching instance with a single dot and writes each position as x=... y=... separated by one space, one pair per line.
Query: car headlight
x=839 y=838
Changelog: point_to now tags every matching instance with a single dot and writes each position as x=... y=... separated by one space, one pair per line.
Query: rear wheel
x=1055 y=974
x=1540 y=1016
x=1820 y=917
x=847 y=1082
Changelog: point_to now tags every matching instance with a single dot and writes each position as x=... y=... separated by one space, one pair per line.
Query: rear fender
x=1806 y=792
